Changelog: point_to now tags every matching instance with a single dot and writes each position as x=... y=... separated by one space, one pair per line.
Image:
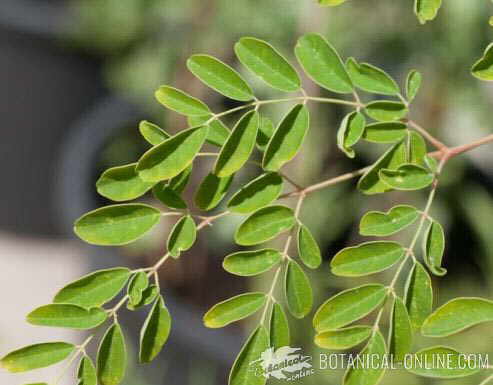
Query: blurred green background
x=133 y=46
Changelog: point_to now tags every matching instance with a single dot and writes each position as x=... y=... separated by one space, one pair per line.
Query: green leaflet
x=413 y=84
x=155 y=331
x=169 y=192
x=343 y=339
x=418 y=295
x=457 y=365
x=257 y=193
x=350 y=132
x=265 y=132
x=330 y=3
x=112 y=357
x=279 y=327
x=348 y=306
x=323 y=64
x=148 y=296
x=457 y=315
x=380 y=224
x=239 y=145
x=36 y=356
x=287 y=138
x=212 y=190
x=138 y=283
x=267 y=63
x=417 y=149
x=218 y=132
x=370 y=78
x=234 y=309
x=86 y=373
x=152 y=133
x=248 y=263
x=385 y=132
x=95 y=289
x=241 y=372
x=298 y=291
x=122 y=183
x=367 y=258
x=434 y=247
x=171 y=157
x=426 y=10
x=181 y=102
x=386 y=111
x=220 y=77
x=308 y=249
x=407 y=177
x=264 y=225
x=483 y=68
x=179 y=182
x=116 y=225
x=67 y=316
x=182 y=236
x=368 y=375
x=370 y=182
x=431 y=163
x=401 y=332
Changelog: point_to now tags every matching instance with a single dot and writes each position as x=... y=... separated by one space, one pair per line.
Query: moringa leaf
x=418 y=295
x=168 y=196
x=417 y=149
x=287 y=138
x=366 y=258
x=138 y=283
x=386 y=111
x=148 y=296
x=67 y=316
x=457 y=364
x=407 y=177
x=152 y=133
x=386 y=132
x=413 y=84
x=220 y=77
x=426 y=10
x=241 y=373
x=298 y=291
x=181 y=102
x=265 y=132
x=95 y=289
x=350 y=132
x=211 y=191
x=171 y=157
x=234 y=309
x=322 y=63
x=368 y=375
x=308 y=249
x=343 y=339
x=267 y=63
x=370 y=78
x=248 y=263
x=380 y=224
x=456 y=316
x=112 y=357
x=116 y=225
x=257 y=193
x=122 y=183
x=182 y=236
x=401 y=332
x=239 y=146
x=36 y=356
x=264 y=225
x=86 y=373
x=279 y=327
x=483 y=68
x=370 y=182
x=434 y=247
x=218 y=132
x=155 y=331
x=348 y=306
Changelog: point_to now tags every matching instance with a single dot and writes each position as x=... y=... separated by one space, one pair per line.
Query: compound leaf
x=182 y=236
x=343 y=339
x=112 y=357
x=181 y=102
x=264 y=225
x=67 y=316
x=234 y=309
x=380 y=224
x=212 y=190
x=299 y=295
x=155 y=331
x=248 y=263
x=371 y=79
x=323 y=64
